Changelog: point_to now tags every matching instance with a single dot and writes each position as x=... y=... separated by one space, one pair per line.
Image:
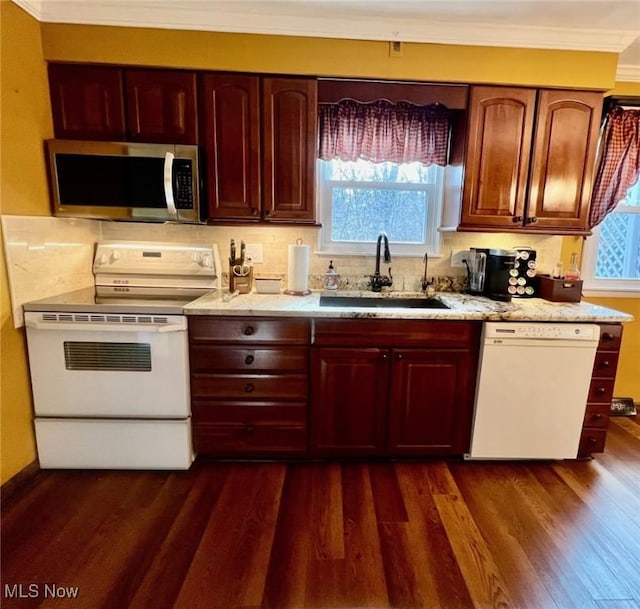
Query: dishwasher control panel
x=544 y=331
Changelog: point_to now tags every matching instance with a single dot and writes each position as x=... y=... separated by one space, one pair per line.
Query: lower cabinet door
x=431 y=402
x=348 y=401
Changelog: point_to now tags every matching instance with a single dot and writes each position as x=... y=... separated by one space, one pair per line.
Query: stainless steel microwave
x=124 y=181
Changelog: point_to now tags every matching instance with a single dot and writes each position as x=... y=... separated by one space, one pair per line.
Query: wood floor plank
x=326 y=522
x=491 y=489
x=626 y=425
x=441 y=582
x=387 y=496
x=500 y=530
x=230 y=565
x=481 y=574
x=571 y=529
x=163 y=579
x=358 y=579
x=287 y=572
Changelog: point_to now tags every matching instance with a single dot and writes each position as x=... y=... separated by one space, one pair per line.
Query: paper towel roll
x=298 y=274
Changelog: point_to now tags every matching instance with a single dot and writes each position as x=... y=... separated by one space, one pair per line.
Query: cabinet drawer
x=206 y=358
x=597 y=415
x=395 y=333
x=591 y=441
x=250 y=386
x=601 y=390
x=249 y=430
x=248 y=330
x=605 y=364
x=610 y=337
x=227 y=412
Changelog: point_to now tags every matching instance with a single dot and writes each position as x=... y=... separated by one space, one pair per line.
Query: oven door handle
x=102 y=327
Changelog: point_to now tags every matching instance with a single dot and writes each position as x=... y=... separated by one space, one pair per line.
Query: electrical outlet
x=458 y=257
x=395 y=48
x=253 y=252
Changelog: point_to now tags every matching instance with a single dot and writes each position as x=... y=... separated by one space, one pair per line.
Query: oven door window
x=86 y=355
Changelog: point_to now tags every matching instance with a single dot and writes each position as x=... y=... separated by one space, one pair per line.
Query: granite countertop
x=461 y=306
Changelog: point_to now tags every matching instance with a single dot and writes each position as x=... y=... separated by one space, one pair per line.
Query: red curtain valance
x=384 y=131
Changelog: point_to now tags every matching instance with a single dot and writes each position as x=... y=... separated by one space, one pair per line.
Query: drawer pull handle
x=248 y=331
x=596 y=415
x=248 y=388
x=249 y=429
x=516 y=219
x=601 y=390
x=607 y=336
x=532 y=220
x=604 y=364
x=592 y=440
x=249 y=359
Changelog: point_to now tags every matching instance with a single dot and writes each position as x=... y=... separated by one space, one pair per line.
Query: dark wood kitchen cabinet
x=87 y=102
x=596 y=418
x=529 y=159
x=115 y=104
x=161 y=106
x=249 y=386
x=392 y=387
x=260 y=135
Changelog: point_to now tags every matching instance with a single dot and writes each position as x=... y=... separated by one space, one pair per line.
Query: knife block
x=240 y=278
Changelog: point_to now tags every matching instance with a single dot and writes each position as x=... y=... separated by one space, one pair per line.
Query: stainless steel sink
x=382 y=302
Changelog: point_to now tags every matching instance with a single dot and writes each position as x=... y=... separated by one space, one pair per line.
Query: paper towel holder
x=302 y=292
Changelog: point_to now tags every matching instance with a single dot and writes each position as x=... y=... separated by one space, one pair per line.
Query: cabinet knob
x=249 y=330
x=592 y=440
x=384 y=356
x=517 y=219
x=254 y=211
x=600 y=390
x=249 y=429
x=248 y=388
x=398 y=356
x=267 y=213
x=596 y=416
x=604 y=364
x=532 y=220
x=607 y=336
x=249 y=359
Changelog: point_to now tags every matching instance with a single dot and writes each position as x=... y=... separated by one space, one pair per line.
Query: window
x=612 y=253
x=358 y=199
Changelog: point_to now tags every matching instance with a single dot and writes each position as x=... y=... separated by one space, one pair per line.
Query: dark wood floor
x=443 y=534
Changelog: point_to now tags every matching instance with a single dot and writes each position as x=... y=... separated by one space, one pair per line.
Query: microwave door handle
x=168 y=185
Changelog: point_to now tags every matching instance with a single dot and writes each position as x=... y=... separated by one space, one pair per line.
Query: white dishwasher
x=533 y=381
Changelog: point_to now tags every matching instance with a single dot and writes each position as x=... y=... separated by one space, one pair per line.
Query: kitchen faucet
x=379 y=281
x=425 y=282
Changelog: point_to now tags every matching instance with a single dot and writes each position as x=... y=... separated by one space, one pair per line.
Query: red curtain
x=384 y=131
x=619 y=162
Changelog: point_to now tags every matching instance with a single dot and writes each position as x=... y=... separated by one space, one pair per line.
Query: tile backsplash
x=48 y=256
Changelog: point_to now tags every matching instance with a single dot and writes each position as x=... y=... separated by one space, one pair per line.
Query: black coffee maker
x=499 y=266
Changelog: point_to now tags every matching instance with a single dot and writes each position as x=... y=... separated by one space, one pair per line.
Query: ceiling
x=597 y=25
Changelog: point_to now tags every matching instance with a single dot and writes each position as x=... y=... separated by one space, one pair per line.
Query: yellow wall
x=24 y=123
x=328 y=57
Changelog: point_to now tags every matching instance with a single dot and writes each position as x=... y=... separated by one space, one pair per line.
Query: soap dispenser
x=331 y=278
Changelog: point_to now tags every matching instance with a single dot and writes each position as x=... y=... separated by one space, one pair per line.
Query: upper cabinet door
x=161 y=106
x=564 y=155
x=231 y=119
x=87 y=102
x=497 y=157
x=290 y=126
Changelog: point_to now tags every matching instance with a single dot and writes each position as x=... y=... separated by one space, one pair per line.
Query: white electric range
x=109 y=364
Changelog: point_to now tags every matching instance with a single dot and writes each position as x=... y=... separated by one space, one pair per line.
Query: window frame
x=593 y=286
x=432 y=244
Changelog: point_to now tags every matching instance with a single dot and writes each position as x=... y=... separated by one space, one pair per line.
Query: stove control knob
x=196 y=257
x=115 y=255
x=206 y=262
x=102 y=260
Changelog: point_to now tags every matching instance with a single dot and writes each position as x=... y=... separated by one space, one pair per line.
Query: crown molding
x=628 y=73
x=211 y=17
